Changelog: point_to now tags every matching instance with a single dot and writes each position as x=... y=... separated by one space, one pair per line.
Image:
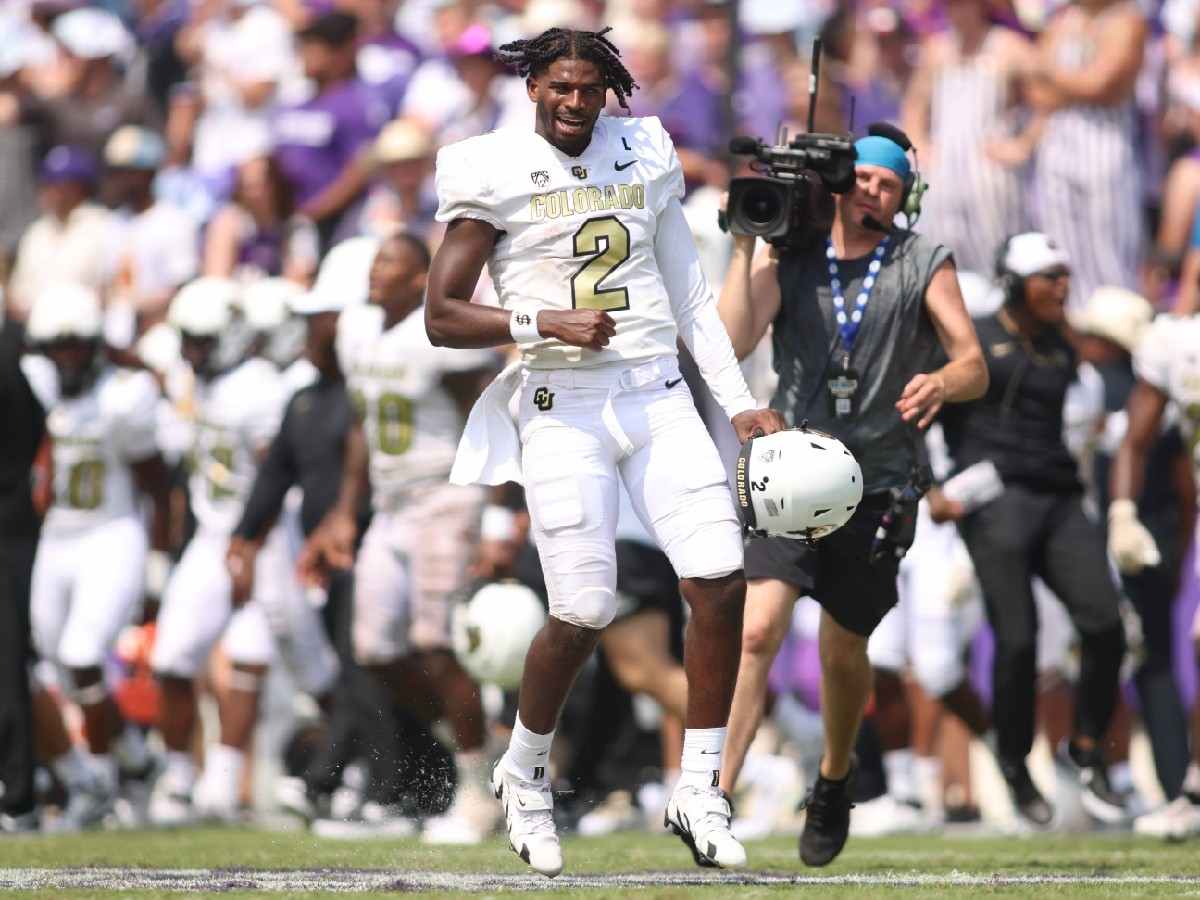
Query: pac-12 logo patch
x=540 y=178
x=580 y=172
x=543 y=399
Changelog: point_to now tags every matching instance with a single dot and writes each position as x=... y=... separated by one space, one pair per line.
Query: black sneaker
x=826 y=819
x=1026 y=797
x=1098 y=797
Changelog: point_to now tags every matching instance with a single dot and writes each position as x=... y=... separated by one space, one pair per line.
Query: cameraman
x=858 y=319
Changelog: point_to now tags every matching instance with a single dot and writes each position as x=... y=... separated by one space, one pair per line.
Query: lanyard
x=848 y=324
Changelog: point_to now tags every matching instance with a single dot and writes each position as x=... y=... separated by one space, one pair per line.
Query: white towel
x=489 y=451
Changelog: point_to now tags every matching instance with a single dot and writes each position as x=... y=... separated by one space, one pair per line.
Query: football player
x=411 y=399
x=91 y=558
x=579 y=221
x=234 y=406
x=1167 y=365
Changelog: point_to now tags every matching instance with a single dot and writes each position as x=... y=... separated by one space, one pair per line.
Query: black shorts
x=836 y=571
x=645 y=580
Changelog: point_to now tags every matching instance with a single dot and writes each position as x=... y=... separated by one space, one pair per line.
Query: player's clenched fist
x=755 y=422
x=588 y=328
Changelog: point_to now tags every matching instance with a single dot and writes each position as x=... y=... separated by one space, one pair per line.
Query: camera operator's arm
x=965 y=376
x=750 y=296
x=701 y=328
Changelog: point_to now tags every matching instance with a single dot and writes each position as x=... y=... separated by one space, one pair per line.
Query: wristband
x=522 y=325
x=498 y=523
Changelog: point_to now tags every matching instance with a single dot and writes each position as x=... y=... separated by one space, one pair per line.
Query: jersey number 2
x=606 y=241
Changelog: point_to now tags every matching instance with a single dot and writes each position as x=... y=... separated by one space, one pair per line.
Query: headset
x=915 y=184
x=1012 y=285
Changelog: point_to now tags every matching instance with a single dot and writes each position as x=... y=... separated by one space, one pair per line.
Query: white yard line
x=373 y=880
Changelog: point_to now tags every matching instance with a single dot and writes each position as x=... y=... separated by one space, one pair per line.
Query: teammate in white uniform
x=580 y=223
x=412 y=400
x=1167 y=363
x=91 y=557
x=234 y=408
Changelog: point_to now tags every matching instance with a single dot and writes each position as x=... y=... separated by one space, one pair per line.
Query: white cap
x=346 y=270
x=1033 y=252
x=1114 y=313
x=204 y=307
x=402 y=140
x=92 y=33
x=266 y=303
x=65 y=310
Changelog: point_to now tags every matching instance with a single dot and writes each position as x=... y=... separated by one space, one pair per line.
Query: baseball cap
x=401 y=140
x=92 y=33
x=1033 y=252
x=1116 y=314
x=68 y=163
x=334 y=27
x=134 y=147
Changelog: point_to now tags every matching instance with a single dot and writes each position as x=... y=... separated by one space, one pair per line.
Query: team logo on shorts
x=580 y=172
x=543 y=399
x=540 y=178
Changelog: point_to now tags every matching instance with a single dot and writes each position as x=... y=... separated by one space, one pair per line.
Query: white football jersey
x=95 y=438
x=236 y=416
x=411 y=421
x=578 y=231
x=1168 y=357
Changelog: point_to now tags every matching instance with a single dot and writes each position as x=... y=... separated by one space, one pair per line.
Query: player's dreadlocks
x=533 y=56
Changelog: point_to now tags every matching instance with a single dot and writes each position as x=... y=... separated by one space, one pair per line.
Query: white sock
x=1191 y=781
x=1120 y=777
x=180 y=772
x=927 y=778
x=528 y=754
x=223 y=767
x=897 y=766
x=130 y=748
x=73 y=769
x=701 y=762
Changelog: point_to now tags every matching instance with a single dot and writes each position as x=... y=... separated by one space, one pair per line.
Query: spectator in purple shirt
x=318 y=143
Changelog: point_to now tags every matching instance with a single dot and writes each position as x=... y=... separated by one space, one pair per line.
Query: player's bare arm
x=965 y=376
x=750 y=296
x=331 y=545
x=452 y=320
x=1145 y=409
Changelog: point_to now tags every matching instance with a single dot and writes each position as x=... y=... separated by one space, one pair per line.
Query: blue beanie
x=879 y=151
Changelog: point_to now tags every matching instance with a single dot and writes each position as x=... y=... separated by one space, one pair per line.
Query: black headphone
x=1012 y=285
x=915 y=185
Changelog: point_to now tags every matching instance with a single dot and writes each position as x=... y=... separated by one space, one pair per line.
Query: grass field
x=245 y=863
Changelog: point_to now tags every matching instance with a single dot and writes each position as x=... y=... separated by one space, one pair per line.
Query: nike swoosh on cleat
x=621 y=167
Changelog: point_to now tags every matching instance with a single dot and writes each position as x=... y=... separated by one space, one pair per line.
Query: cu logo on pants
x=543 y=399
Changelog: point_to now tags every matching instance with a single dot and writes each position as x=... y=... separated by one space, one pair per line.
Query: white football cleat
x=170 y=807
x=1177 y=821
x=529 y=817
x=701 y=817
x=87 y=805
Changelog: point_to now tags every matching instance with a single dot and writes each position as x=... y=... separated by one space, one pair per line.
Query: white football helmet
x=204 y=307
x=797 y=484
x=65 y=311
x=266 y=303
x=493 y=631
